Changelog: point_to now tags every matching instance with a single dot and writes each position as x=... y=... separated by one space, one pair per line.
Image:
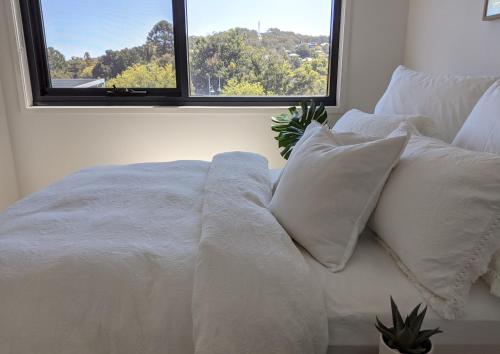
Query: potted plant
x=405 y=337
x=291 y=126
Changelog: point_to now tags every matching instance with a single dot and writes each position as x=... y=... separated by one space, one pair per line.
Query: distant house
x=78 y=83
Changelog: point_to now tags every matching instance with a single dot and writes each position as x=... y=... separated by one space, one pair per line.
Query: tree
x=57 y=64
x=226 y=55
x=307 y=82
x=320 y=64
x=235 y=88
x=303 y=50
x=75 y=67
x=145 y=76
x=272 y=71
x=87 y=58
x=161 y=37
x=240 y=59
x=87 y=72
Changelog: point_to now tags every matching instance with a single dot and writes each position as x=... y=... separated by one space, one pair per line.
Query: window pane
x=259 y=48
x=101 y=43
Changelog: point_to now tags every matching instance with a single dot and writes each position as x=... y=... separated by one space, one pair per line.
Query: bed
x=184 y=257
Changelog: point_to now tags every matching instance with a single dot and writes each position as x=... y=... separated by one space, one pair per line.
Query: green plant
x=406 y=336
x=291 y=126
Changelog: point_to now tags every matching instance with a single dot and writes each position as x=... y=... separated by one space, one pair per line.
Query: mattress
x=361 y=291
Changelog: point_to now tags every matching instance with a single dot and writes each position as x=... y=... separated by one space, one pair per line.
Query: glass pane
x=101 y=43
x=259 y=47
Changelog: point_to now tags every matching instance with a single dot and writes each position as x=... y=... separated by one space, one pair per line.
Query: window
x=181 y=52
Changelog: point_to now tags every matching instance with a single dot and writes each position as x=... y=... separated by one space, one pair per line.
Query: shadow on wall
x=8 y=183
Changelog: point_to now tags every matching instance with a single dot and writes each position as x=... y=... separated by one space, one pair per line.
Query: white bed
x=359 y=293
x=184 y=257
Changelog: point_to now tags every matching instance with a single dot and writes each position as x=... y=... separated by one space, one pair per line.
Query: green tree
x=75 y=67
x=320 y=64
x=87 y=72
x=303 y=50
x=306 y=81
x=235 y=88
x=273 y=71
x=145 y=76
x=57 y=64
x=161 y=37
x=238 y=54
x=241 y=60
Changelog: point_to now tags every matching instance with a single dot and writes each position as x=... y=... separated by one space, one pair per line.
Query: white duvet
x=178 y=257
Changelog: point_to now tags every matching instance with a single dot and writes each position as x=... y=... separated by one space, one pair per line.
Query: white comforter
x=177 y=257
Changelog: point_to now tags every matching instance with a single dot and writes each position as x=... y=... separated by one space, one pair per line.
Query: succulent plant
x=291 y=126
x=406 y=335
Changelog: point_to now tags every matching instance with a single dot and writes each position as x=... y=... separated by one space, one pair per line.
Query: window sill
x=162 y=110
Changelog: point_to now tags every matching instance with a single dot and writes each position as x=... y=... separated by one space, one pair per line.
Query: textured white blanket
x=104 y=262
x=253 y=292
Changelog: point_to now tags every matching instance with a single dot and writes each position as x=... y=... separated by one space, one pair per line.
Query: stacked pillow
x=438 y=214
x=329 y=187
x=481 y=132
x=447 y=99
x=356 y=121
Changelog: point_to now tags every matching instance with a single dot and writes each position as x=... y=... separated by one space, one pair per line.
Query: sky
x=77 y=26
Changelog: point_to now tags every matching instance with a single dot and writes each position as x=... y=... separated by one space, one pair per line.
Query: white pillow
x=439 y=215
x=312 y=128
x=356 y=121
x=446 y=99
x=481 y=132
x=329 y=188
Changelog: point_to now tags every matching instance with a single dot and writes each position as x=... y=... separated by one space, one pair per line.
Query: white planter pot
x=384 y=349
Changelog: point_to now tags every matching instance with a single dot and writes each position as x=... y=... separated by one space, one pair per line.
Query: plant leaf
x=397 y=320
x=291 y=126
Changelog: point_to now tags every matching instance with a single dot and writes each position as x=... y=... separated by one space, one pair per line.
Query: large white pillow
x=439 y=215
x=329 y=188
x=446 y=99
x=481 y=132
x=356 y=121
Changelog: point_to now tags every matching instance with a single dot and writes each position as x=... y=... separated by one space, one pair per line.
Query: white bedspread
x=105 y=261
x=254 y=292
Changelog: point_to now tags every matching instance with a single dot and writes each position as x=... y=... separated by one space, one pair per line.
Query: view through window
x=259 y=47
x=176 y=52
x=96 y=43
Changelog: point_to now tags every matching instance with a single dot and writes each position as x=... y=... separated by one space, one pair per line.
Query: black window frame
x=44 y=95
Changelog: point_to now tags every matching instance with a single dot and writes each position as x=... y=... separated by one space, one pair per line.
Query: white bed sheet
x=361 y=291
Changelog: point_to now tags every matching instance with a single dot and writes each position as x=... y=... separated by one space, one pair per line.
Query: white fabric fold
x=253 y=290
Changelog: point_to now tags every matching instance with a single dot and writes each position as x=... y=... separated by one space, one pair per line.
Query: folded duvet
x=178 y=257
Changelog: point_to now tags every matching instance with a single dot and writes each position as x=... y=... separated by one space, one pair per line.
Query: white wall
x=50 y=143
x=449 y=36
x=8 y=184
x=377 y=46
